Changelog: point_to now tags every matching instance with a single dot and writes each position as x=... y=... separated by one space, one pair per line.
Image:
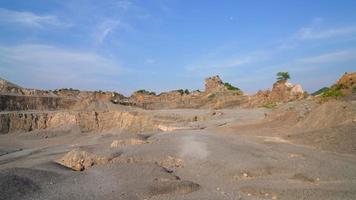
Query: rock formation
x=347 y=84
x=216 y=95
x=282 y=92
x=214 y=84
x=13 y=97
x=84 y=121
x=348 y=80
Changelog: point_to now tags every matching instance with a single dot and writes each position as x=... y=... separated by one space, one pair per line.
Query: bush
x=283 y=76
x=181 y=91
x=231 y=87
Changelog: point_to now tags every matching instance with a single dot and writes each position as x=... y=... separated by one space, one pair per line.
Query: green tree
x=283 y=76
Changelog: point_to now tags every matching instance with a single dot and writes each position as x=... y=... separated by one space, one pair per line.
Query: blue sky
x=161 y=45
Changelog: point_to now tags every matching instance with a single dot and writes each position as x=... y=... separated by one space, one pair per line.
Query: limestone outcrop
x=214 y=84
x=15 y=98
x=10 y=102
x=84 y=121
x=348 y=80
x=347 y=84
x=216 y=95
x=282 y=92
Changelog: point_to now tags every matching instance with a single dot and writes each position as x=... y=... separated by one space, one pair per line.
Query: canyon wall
x=85 y=121
x=10 y=102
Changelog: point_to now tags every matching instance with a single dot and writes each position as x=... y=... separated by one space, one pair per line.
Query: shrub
x=231 y=87
x=181 y=91
x=142 y=91
x=283 y=76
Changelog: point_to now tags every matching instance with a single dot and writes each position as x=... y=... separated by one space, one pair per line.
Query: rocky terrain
x=214 y=144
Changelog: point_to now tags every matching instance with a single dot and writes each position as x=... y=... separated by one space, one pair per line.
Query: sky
x=163 y=45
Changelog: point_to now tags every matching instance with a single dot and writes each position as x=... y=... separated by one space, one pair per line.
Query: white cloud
x=309 y=33
x=29 y=19
x=331 y=57
x=41 y=65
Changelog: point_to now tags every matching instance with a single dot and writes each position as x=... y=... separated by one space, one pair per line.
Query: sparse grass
x=333 y=92
x=270 y=105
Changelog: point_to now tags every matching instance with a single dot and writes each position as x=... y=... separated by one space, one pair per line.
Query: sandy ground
x=208 y=159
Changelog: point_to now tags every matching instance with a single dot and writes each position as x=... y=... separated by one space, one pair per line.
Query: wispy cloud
x=331 y=57
x=309 y=33
x=57 y=67
x=318 y=62
x=29 y=19
x=226 y=63
x=108 y=26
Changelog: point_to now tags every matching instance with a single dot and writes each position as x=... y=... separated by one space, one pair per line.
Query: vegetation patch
x=56 y=91
x=320 y=91
x=211 y=96
x=182 y=92
x=270 y=105
x=333 y=92
x=231 y=87
x=145 y=92
x=283 y=76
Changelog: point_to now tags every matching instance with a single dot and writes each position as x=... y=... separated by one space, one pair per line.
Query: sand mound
x=330 y=114
x=80 y=160
x=171 y=163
